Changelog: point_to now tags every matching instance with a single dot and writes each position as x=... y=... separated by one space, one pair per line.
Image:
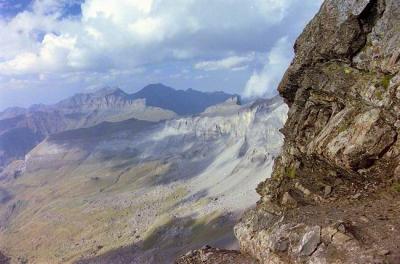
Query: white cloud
x=44 y=7
x=265 y=81
x=128 y=33
x=110 y=40
x=273 y=9
x=232 y=62
x=52 y=56
x=118 y=11
x=199 y=77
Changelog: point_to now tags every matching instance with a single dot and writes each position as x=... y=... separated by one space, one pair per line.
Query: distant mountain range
x=21 y=129
x=182 y=102
x=136 y=191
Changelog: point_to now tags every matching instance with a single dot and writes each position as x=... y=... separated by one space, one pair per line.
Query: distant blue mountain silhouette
x=182 y=102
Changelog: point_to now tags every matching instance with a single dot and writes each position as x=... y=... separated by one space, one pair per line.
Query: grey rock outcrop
x=208 y=255
x=343 y=90
x=341 y=131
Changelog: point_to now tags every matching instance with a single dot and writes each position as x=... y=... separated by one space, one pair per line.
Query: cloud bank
x=265 y=81
x=128 y=33
x=44 y=41
x=232 y=62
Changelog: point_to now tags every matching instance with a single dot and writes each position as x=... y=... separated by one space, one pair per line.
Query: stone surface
x=208 y=255
x=4 y=259
x=288 y=200
x=310 y=241
x=343 y=90
x=327 y=190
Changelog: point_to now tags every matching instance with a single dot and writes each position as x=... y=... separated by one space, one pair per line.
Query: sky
x=52 y=49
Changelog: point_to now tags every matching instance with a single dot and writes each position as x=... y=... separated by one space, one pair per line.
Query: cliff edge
x=334 y=196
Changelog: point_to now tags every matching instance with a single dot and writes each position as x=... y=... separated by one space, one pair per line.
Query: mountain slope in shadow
x=22 y=129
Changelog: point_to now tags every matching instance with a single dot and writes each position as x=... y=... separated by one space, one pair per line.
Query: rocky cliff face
x=328 y=199
x=334 y=193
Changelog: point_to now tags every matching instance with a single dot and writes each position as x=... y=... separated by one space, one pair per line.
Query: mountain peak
x=233 y=100
x=109 y=91
x=158 y=87
x=182 y=102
